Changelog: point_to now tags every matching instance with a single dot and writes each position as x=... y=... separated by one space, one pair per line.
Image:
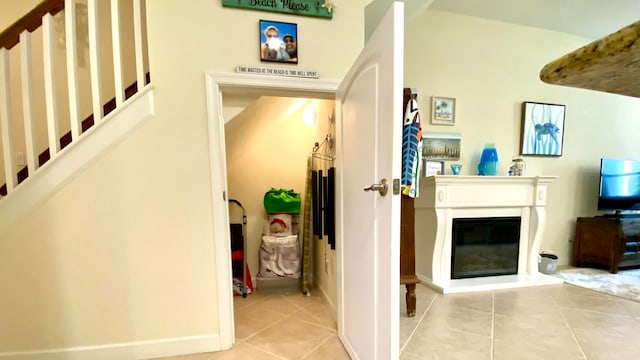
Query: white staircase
x=73 y=82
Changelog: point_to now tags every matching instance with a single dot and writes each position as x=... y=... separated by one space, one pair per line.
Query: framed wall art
x=431 y=167
x=542 y=129
x=441 y=146
x=278 y=42
x=443 y=110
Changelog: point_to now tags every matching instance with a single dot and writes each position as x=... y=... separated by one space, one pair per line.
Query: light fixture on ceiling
x=309 y=115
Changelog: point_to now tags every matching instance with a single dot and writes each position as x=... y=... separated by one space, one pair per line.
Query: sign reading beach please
x=317 y=8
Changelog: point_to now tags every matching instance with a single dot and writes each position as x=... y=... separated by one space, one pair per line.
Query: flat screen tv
x=619 y=185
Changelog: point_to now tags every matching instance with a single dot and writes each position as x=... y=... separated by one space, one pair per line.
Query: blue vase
x=488 y=161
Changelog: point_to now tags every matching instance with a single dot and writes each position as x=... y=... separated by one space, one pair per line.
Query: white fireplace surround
x=446 y=197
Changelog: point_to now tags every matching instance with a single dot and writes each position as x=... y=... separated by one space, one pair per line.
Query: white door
x=369 y=136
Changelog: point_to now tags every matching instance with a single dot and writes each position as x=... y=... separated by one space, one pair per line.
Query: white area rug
x=625 y=284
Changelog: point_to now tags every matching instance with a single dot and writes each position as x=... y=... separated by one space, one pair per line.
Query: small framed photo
x=432 y=168
x=278 y=42
x=542 y=129
x=443 y=110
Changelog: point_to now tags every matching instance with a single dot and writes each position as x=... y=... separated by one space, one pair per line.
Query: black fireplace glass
x=485 y=247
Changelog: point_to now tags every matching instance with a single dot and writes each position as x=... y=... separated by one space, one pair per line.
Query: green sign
x=317 y=8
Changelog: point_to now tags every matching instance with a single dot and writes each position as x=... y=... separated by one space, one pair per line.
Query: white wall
x=125 y=252
x=491 y=67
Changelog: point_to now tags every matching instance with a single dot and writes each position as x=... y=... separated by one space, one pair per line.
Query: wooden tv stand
x=612 y=242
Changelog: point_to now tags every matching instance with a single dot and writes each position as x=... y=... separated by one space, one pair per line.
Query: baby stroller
x=241 y=277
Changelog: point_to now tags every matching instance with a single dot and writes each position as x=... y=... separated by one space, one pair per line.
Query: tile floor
x=543 y=322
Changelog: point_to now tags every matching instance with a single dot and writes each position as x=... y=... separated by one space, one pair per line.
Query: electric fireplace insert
x=485 y=247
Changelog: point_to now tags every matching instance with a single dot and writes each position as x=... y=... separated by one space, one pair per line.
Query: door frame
x=215 y=85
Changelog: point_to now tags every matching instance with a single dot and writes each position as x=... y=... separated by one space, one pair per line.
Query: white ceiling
x=591 y=19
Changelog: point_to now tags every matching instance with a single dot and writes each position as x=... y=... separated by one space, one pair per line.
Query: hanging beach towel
x=411 y=149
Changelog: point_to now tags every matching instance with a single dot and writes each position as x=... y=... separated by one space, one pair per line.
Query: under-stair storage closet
x=269 y=142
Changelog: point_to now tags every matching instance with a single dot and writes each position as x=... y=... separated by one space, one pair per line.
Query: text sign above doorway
x=258 y=70
x=316 y=8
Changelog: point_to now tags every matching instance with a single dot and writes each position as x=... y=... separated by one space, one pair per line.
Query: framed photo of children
x=278 y=42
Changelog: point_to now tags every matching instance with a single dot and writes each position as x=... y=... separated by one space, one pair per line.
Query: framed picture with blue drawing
x=278 y=42
x=443 y=110
x=542 y=129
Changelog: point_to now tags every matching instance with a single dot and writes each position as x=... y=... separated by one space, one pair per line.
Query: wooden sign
x=316 y=8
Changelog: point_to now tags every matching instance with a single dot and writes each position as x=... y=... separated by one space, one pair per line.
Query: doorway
x=268 y=142
x=219 y=86
x=267 y=145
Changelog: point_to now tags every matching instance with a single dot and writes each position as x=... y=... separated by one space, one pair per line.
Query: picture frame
x=441 y=145
x=278 y=42
x=432 y=168
x=443 y=110
x=542 y=132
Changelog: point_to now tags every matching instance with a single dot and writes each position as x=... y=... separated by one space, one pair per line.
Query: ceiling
x=591 y=19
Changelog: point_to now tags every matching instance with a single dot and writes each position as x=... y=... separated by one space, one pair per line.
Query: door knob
x=382 y=188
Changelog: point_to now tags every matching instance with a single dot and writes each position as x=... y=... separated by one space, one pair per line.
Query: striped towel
x=411 y=149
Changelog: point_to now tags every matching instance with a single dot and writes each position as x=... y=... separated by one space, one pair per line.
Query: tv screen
x=619 y=185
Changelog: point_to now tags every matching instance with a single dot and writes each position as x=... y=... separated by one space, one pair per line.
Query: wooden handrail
x=10 y=37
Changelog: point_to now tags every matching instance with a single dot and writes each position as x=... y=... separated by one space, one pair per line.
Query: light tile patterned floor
x=280 y=326
x=543 y=322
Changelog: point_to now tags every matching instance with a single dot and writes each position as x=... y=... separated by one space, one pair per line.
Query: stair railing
x=20 y=33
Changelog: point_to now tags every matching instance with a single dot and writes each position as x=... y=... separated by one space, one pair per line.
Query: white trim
x=117 y=52
x=333 y=310
x=220 y=219
x=26 y=65
x=94 y=60
x=300 y=87
x=139 y=44
x=50 y=85
x=73 y=158
x=215 y=84
x=122 y=351
x=6 y=126
x=72 y=68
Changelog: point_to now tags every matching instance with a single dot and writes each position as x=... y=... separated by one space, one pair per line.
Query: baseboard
x=327 y=301
x=125 y=351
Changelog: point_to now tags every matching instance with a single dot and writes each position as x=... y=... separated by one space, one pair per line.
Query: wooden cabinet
x=408 y=276
x=607 y=242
